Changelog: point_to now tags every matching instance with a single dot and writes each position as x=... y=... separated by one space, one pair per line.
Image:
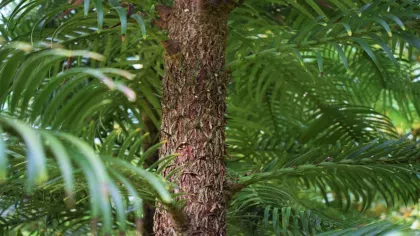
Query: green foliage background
x=320 y=101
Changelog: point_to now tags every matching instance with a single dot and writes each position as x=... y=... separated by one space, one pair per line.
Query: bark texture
x=193 y=119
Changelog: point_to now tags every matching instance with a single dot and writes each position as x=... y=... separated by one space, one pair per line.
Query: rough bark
x=193 y=115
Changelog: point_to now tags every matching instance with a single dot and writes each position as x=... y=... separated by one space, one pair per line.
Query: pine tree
x=208 y=117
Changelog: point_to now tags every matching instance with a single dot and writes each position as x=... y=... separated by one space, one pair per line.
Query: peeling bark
x=193 y=118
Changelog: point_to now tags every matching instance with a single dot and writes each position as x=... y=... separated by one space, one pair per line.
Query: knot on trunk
x=231 y=188
x=164 y=13
x=171 y=47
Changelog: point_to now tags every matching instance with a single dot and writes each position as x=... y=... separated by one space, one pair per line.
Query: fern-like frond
x=59 y=165
x=388 y=169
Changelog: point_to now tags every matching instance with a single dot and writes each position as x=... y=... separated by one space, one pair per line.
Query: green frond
x=305 y=51
x=59 y=165
x=346 y=175
x=331 y=184
x=375 y=228
x=320 y=96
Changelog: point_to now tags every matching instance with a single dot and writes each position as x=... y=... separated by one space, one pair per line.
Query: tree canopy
x=323 y=115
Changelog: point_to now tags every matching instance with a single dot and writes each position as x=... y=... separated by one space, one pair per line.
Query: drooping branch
x=303 y=170
x=342 y=38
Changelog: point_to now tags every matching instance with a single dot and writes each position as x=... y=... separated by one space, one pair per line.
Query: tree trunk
x=193 y=119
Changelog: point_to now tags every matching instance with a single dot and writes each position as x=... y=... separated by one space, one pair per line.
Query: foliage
x=320 y=96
